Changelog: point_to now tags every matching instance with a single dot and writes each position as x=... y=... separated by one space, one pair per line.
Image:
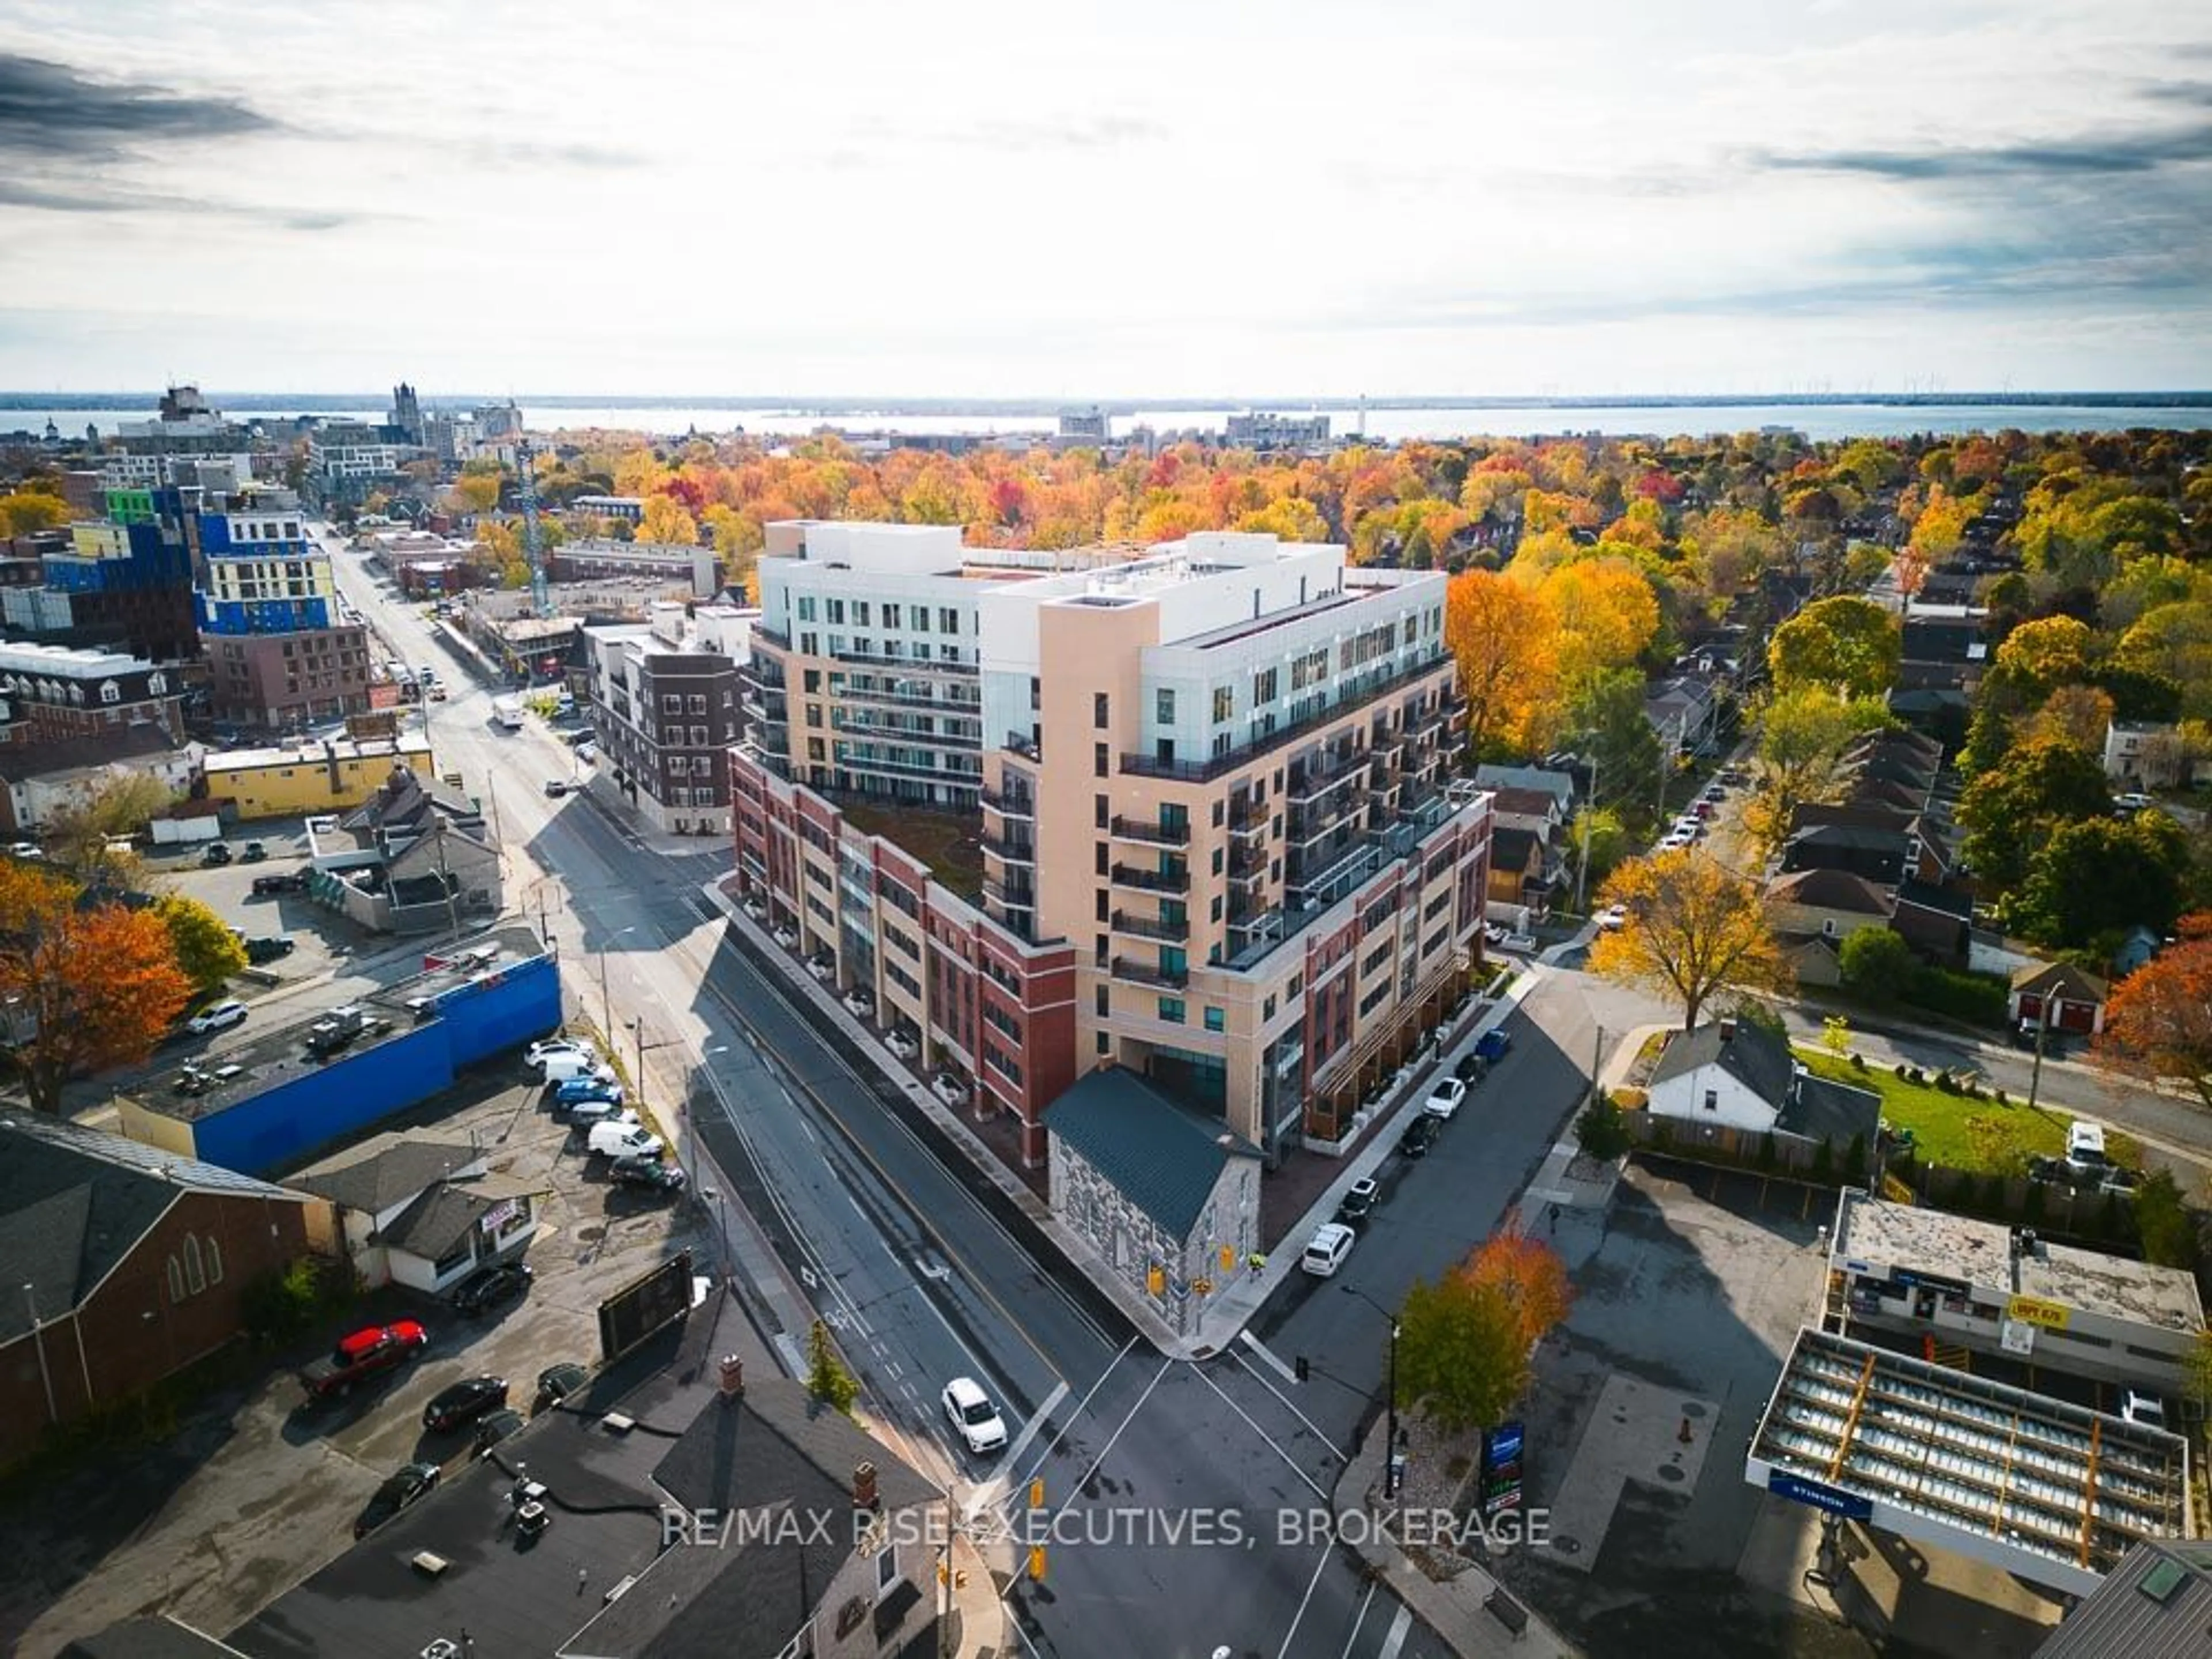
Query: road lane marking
x=987 y=1492
x=1320 y=1565
x=1288 y=1462
x=1106 y=1450
x=1335 y=1450
x=1081 y=1406
x=1396 y=1638
x=1365 y=1602
x=1266 y=1353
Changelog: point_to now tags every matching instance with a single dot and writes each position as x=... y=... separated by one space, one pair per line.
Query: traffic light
x=1303 y=1369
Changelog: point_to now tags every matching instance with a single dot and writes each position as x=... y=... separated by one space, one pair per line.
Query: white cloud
x=1151 y=197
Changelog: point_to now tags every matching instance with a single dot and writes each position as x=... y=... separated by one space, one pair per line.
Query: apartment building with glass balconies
x=1213 y=811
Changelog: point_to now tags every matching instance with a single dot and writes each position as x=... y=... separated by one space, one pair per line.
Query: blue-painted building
x=285 y=1105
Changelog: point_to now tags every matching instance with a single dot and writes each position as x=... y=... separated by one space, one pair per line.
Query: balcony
x=1014 y=895
x=1150 y=973
x=888 y=698
x=781 y=642
x=907 y=664
x=1357 y=693
x=852 y=762
x=1312 y=783
x=1022 y=744
x=1175 y=932
x=1252 y=820
x=1012 y=849
x=1157 y=834
x=1246 y=866
x=1152 y=881
x=1009 y=806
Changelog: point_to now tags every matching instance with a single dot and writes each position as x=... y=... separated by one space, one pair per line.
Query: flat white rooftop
x=1871 y=1233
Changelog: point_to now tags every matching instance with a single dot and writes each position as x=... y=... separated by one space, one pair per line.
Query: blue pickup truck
x=1491 y=1046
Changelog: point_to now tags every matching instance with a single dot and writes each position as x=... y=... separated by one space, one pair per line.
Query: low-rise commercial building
x=1926 y=1275
x=662 y=562
x=313 y=775
x=404 y=1209
x=39 y=783
x=290 y=1092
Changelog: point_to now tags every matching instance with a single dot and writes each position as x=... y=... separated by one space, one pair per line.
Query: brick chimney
x=864 y=1486
x=733 y=1377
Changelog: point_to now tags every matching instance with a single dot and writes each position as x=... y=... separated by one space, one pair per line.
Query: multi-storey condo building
x=1266 y=430
x=280 y=647
x=1220 y=845
x=124 y=584
x=51 y=693
x=665 y=708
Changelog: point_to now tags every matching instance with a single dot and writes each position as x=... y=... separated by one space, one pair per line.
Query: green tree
x=1598 y=833
x=1607 y=724
x=1803 y=735
x=2011 y=810
x=1849 y=645
x=206 y=950
x=827 y=1379
x=1877 y=963
x=78 y=837
x=2164 y=1223
x=1599 y=1130
x=2101 y=875
x=1461 y=1354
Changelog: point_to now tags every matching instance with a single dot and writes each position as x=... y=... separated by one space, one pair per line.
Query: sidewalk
x=603 y=794
x=1469 y=1611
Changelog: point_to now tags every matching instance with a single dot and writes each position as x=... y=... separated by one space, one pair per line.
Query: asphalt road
x=923 y=1270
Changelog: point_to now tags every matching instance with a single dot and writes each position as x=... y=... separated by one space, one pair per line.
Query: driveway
x=254 y=1491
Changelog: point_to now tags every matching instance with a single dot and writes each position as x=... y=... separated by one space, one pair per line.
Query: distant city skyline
x=1143 y=202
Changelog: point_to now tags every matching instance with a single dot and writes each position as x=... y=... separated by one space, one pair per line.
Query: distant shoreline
x=245 y=401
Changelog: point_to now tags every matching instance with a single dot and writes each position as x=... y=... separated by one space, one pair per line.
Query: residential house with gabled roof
x=2059 y=997
x=418 y=1212
x=1740 y=1076
x=1936 y=921
x=1832 y=903
x=415 y=857
x=129 y=1263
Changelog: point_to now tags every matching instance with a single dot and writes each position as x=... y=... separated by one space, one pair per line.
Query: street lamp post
x=606 y=1005
x=1392 y=1461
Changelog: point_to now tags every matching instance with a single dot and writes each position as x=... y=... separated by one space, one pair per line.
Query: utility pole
x=2042 y=1025
x=1597 y=1063
x=1582 y=874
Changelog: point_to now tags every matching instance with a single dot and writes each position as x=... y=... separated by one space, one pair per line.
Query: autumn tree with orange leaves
x=2159 y=1022
x=1503 y=635
x=1465 y=1342
x=94 y=986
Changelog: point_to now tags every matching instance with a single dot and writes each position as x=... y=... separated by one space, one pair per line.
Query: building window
x=948 y=620
x=214 y=1262
x=1172 y=1010
x=176 y=1281
x=1100 y=710
x=1098 y=759
x=886 y=1567
x=1164 y=706
x=1216 y=1020
x=1224 y=702
x=1712 y=1100
x=194 y=1273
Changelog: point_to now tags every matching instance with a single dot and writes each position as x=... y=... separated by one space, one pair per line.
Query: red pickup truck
x=360 y=1355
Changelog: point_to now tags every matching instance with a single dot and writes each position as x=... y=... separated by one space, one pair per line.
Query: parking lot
x=255 y=1490
x=321 y=938
x=1689 y=1290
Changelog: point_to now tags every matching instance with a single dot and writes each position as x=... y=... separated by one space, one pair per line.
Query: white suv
x=1325 y=1251
x=217 y=1017
x=1443 y=1100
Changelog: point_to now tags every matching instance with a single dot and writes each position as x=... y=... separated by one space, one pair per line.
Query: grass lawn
x=1959 y=1132
x=947 y=843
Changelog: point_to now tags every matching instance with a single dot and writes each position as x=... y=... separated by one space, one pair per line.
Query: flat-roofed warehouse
x=2048 y=1490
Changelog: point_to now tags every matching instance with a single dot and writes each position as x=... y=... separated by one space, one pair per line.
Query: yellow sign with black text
x=2034 y=1310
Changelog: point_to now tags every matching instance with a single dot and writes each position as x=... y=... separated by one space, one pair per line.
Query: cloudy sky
x=1171 y=197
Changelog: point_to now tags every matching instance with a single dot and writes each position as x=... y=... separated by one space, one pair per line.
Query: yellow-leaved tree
x=1504 y=635
x=1693 y=928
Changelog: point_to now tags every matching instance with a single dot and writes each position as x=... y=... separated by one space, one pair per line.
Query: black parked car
x=557 y=1383
x=258 y=951
x=481 y=1291
x=217 y=853
x=1420 y=1135
x=463 y=1402
x=1358 y=1202
x=649 y=1173
x=497 y=1428
x=293 y=881
x=255 y=852
x=395 y=1495
x=1470 y=1067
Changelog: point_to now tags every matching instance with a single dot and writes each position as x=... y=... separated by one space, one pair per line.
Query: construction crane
x=533 y=546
